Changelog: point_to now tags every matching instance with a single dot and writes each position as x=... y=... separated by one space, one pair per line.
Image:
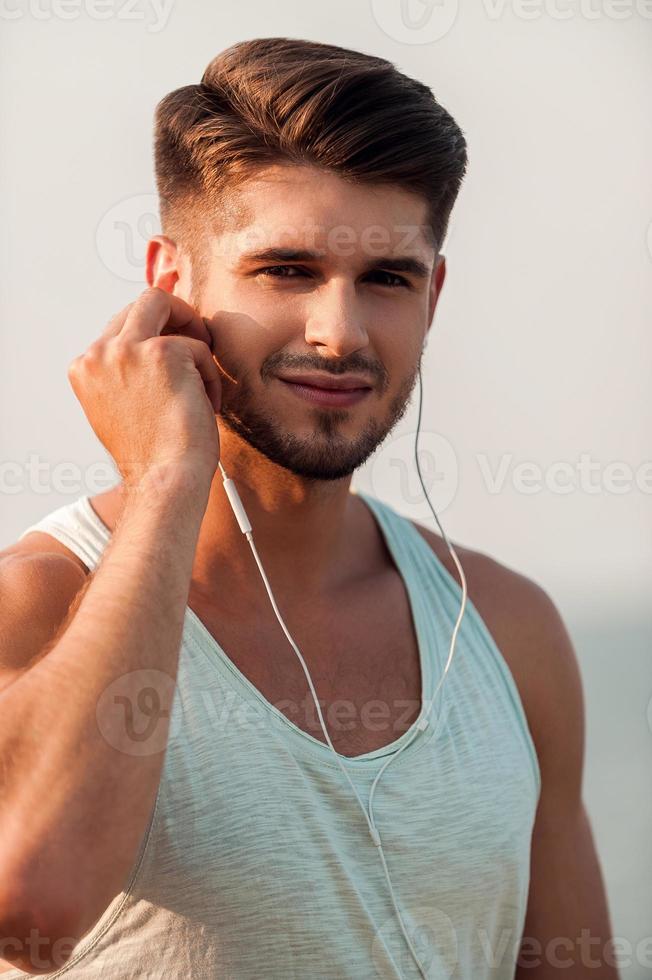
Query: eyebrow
x=395 y=263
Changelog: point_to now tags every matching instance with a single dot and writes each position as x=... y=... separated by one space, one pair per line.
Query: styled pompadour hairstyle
x=285 y=100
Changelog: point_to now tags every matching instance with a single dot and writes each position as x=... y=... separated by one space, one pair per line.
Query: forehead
x=307 y=207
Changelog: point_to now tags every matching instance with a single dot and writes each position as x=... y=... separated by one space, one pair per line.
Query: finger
x=209 y=372
x=115 y=324
x=156 y=312
x=208 y=369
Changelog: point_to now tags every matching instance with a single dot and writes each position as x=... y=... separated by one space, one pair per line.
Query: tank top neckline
x=424 y=628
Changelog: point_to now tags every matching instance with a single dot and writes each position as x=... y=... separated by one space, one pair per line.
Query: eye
x=279 y=272
x=272 y=270
x=398 y=280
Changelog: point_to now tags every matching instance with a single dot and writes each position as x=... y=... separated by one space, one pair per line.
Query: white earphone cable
x=422 y=721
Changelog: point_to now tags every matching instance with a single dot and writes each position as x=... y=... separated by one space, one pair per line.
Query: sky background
x=537 y=409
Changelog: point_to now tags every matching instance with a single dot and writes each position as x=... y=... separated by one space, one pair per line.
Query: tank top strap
x=78 y=527
x=419 y=564
x=421 y=572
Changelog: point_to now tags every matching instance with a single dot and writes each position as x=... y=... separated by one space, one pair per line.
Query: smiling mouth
x=336 y=397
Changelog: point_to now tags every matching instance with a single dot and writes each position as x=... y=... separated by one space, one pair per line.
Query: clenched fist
x=150 y=388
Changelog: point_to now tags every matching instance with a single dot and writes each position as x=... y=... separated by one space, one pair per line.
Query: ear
x=162 y=263
x=436 y=284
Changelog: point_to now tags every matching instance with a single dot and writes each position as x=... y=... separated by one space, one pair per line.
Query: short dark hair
x=285 y=100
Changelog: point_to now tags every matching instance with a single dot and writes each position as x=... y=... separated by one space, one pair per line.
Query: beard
x=325 y=454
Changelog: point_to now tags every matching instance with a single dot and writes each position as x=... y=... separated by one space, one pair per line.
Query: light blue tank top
x=257 y=860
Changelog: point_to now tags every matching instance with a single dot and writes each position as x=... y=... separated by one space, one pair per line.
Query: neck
x=303 y=530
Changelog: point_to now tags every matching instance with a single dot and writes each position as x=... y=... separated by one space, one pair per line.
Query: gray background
x=540 y=351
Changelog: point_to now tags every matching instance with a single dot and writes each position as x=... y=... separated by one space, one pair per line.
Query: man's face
x=340 y=309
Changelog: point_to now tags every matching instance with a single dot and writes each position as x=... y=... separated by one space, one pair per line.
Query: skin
x=293 y=471
x=294 y=482
x=334 y=311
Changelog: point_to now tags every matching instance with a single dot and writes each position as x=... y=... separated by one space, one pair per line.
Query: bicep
x=567 y=921
x=567 y=916
x=38 y=594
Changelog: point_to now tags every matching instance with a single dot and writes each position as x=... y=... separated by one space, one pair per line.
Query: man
x=170 y=805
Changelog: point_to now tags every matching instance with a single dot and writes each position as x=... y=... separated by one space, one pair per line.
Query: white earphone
x=421 y=723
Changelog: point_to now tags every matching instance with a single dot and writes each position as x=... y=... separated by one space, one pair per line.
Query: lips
x=339 y=397
x=327 y=382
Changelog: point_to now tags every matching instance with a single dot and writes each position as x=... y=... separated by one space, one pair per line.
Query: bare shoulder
x=530 y=633
x=39 y=580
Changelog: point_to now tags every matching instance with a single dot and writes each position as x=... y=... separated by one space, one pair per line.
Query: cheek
x=267 y=316
x=244 y=347
x=262 y=296
x=399 y=351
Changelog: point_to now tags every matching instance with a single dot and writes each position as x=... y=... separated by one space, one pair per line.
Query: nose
x=335 y=319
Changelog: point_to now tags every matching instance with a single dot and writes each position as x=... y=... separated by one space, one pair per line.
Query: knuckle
x=161 y=348
x=93 y=353
x=153 y=294
x=74 y=366
x=118 y=348
x=145 y=301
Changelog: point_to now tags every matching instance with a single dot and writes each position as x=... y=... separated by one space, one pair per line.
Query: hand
x=150 y=388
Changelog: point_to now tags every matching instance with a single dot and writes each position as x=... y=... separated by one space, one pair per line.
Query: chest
x=362 y=655
x=256 y=825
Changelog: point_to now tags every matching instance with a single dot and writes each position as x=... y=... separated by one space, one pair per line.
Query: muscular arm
x=567 y=931
x=567 y=926
x=75 y=796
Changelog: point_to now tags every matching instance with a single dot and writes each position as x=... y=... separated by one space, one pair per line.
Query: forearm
x=76 y=787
